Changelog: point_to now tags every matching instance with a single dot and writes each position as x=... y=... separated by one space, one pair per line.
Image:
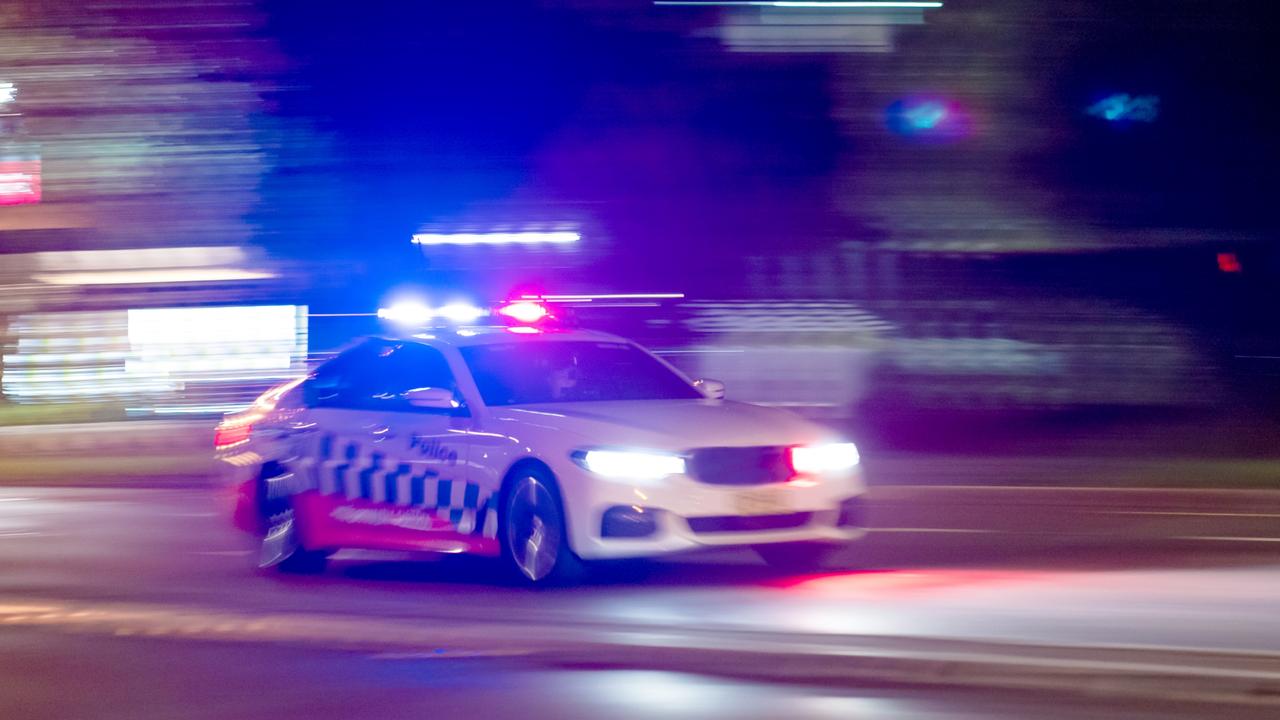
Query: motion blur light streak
x=586 y=297
x=151 y=277
x=836 y=4
x=8 y=92
x=192 y=409
x=498 y=238
x=169 y=358
x=161 y=258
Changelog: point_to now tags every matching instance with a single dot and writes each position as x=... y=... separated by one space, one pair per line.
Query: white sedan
x=544 y=447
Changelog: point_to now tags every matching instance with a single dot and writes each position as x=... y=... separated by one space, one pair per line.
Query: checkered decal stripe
x=341 y=467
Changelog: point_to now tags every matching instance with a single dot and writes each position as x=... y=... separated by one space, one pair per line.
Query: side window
x=375 y=376
x=343 y=381
x=410 y=366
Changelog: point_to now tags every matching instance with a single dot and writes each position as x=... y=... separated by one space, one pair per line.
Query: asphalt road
x=149 y=562
x=65 y=677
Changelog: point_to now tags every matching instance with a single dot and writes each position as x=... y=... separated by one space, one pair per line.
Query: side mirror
x=712 y=389
x=430 y=398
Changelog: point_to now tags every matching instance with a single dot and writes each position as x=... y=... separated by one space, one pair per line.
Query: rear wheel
x=534 y=538
x=281 y=549
x=279 y=546
x=796 y=557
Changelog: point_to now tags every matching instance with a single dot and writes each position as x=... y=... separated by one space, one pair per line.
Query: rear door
x=427 y=450
x=378 y=468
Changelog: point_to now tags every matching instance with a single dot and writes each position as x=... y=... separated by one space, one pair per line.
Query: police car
x=541 y=444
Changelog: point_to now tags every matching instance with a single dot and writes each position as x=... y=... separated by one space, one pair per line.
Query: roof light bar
x=412 y=312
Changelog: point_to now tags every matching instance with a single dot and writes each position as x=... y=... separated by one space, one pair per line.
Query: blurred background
x=871 y=213
x=1024 y=253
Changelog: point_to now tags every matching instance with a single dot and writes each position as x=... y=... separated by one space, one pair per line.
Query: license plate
x=761 y=502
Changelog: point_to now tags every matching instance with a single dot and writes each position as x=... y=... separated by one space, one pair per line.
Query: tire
x=797 y=557
x=281 y=550
x=279 y=546
x=533 y=533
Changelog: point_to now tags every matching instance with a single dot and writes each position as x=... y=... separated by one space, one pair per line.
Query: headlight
x=630 y=464
x=820 y=459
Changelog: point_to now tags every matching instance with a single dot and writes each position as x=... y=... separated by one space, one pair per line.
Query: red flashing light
x=525 y=312
x=1228 y=262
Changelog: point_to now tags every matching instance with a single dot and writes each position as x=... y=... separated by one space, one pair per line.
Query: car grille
x=748 y=523
x=740 y=465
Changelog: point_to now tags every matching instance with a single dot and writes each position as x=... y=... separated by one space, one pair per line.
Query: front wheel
x=796 y=557
x=534 y=537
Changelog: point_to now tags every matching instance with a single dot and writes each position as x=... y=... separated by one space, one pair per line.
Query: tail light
x=233 y=431
x=237 y=429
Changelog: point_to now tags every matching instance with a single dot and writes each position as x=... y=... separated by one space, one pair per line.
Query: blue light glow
x=415 y=313
x=927 y=118
x=1122 y=107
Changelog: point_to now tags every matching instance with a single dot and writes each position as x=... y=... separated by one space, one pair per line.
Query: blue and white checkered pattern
x=338 y=466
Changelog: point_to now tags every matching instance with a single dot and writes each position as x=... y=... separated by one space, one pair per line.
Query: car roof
x=490 y=335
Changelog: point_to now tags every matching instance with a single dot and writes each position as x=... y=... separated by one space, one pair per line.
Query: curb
x=833 y=661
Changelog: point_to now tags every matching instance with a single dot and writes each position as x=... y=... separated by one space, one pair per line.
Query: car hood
x=671 y=424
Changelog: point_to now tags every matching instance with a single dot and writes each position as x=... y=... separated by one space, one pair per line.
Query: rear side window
x=376 y=374
x=409 y=366
x=337 y=383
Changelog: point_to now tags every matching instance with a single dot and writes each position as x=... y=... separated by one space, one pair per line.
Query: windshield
x=539 y=372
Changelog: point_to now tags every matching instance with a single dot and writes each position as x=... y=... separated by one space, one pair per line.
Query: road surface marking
x=1188 y=513
x=943 y=530
x=223 y=553
x=1224 y=538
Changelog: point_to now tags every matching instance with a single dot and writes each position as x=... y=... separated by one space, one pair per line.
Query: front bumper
x=683 y=514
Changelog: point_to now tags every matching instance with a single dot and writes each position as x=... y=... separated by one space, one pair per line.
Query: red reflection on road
x=899 y=582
